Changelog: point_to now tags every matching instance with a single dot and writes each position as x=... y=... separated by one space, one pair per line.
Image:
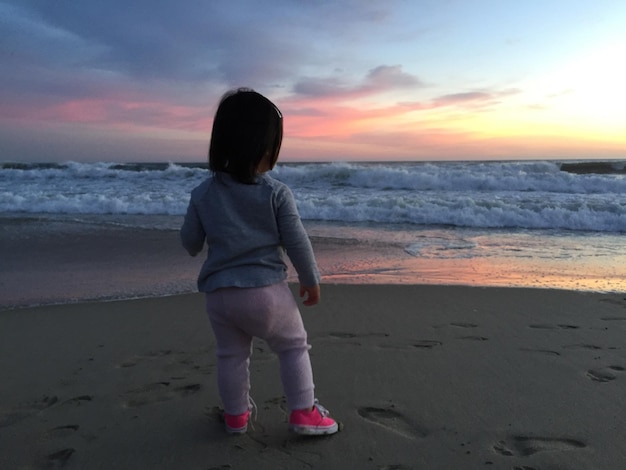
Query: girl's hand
x=312 y=295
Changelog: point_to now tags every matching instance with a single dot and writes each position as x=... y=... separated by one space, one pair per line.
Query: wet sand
x=58 y=261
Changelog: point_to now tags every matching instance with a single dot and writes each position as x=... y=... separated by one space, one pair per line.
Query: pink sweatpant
x=271 y=313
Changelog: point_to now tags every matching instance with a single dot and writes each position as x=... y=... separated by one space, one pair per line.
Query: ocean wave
x=533 y=195
x=471 y=176
x=470 y=210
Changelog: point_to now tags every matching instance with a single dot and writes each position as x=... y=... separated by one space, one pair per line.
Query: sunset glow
x=354 y=80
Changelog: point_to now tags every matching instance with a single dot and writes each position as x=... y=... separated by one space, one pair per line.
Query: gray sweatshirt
x=247 y=228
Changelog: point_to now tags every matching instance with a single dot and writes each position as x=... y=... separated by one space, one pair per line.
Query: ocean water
x=544 y=223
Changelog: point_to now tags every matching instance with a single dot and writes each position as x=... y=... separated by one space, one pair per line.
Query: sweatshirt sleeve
x=192 y=233
x=295 y=239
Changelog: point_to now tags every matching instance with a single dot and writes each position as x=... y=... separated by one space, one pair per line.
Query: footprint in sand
x=341 y=335
x=63 y=431
x=464 y=325
x=347 y=335
x=456 y=324
x=392 y=421
x=25 y=410
x=604 y=374
x=60 y=458
x=526 y=445
x=550 y=326
x=167 y=357
x=592 y=347
x=347 y=338
x=474 y=338
x=132 y=362
x=426 y=344
x=613 y=318
x=547 y=352
x=79 y=400
x=158 y=392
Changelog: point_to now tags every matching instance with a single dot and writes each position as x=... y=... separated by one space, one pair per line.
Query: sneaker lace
x=323 y=411
x=253 y=412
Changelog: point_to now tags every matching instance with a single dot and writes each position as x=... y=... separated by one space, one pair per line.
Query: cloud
x=465 y=97
x=64 y=49
x=386 y=76
x=327 y=101
x=118 y=62
x=381 y=79
x=198 y=41
x=136 y=39
x=472 y=99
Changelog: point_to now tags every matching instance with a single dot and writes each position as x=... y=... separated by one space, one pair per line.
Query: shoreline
x=123 y=298
x=64 y=261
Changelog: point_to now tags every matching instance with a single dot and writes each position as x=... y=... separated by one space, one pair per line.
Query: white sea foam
x=473 y=194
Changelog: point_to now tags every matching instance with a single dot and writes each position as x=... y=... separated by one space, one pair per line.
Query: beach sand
x=423 y=377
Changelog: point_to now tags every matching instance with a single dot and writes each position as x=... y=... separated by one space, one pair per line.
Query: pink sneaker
x=236 y=424
x=312 y=423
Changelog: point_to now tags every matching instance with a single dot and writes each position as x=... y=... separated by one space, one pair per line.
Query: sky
x=356 y=80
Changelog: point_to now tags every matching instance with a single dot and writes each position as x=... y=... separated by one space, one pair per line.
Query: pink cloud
x=123 y=114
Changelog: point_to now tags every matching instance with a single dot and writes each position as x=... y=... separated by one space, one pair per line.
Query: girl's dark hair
x=247 y=126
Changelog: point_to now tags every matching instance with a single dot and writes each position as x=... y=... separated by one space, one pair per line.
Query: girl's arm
x=297 y=244
x=192 y=233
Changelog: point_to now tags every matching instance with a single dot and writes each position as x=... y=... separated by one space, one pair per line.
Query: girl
x=247 y=218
